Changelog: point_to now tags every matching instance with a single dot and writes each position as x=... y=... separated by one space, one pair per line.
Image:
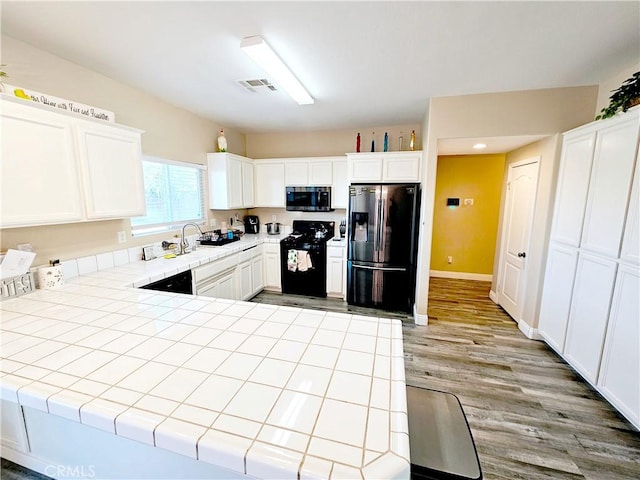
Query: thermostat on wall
x=453 y=202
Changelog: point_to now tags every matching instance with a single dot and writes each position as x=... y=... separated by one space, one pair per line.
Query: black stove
x=303 y=258
x=310 y=232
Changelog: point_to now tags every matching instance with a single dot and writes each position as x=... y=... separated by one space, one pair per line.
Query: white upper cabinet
x=387 y=167
x=269 y=184
x=631 y=240
x=112 y=171
x=340 y=185
x=303 y=172
x=247 y=184
x=296 y=173
x=613 y=161
x=321 y=172
x=573 y=186
x=39 y=171
x=60 y=168
x=228 y=187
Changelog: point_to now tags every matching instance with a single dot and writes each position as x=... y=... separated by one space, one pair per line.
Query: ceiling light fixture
x=262 y=54
x=480 y=146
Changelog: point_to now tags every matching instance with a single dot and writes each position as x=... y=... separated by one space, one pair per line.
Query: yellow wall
x=466 y=233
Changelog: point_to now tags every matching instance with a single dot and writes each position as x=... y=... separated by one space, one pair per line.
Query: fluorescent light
x=262 y=54
x=480 y=146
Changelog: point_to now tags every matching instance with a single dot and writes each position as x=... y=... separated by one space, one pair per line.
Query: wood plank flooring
x=531 y=416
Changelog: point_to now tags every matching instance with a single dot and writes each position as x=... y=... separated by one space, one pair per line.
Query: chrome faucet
x=184 y=245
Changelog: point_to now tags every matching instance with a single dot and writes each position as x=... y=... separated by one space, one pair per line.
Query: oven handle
x=384 y=269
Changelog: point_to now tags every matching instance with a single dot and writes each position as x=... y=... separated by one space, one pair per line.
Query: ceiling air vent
x=257 y=85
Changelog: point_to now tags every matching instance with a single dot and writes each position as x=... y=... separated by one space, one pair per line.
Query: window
x=174 y=192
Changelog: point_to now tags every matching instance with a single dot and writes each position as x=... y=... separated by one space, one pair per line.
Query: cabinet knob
x=522 y=254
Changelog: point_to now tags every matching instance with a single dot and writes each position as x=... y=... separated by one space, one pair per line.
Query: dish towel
x=292 y=260
x=304 y=261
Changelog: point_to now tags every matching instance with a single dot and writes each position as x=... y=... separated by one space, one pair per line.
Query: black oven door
x=312 y=280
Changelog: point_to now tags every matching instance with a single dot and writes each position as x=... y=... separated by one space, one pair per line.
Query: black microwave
x=309 y=199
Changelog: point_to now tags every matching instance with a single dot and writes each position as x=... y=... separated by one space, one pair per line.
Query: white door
x=522 y=183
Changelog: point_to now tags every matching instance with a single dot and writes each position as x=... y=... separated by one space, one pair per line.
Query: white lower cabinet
x=257 y=273
x=249 y=270
x=619 y=378
x=589 y=312
x=556 y=302
x=12 y=426
x=336 y=265
x=272 y=275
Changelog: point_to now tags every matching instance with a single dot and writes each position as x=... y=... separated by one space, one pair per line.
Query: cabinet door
x=257 y=274
x=272 y=269
x=247 y=185
x=340 y=190
x=556 y=295
x=246 y=288
x=12 y=426
x=111 y=170
x=226 y=287
x=38 y=168
x=573 y=185
x=613 y=161
x=335 y=272
x=269 y=185
x=401 y=167
x=589 y=312
x=631 y=240
x=364 y=169
x=320 y=173
x=619 y=378
x=296 y=173
x=234 y=179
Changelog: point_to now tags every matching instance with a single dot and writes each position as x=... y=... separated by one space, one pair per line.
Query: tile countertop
x=259 y=389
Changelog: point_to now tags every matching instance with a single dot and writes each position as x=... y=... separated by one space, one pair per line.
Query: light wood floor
x=531 y=416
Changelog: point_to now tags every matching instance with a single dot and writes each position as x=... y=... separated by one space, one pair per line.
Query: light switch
x=468 y=202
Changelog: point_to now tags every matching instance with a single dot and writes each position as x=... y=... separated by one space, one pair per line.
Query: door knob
x=522 y=254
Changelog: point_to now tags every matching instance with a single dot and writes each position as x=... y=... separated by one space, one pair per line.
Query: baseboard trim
x=493 y=296
x=529 y=331
x=484 y=277
x=418 y=318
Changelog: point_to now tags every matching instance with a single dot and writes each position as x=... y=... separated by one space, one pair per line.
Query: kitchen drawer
x=201 y=274
x=335 y=251
x=250 y=252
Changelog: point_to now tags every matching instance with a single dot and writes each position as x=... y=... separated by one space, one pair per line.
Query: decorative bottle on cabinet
x=373 y=141
x=386 y=142
x=222 y=141
x=358 y=143
x=412 y=142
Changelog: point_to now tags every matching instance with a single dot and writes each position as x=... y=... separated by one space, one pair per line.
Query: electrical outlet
x=212 y=222
x=449 y=259
x=122 y=236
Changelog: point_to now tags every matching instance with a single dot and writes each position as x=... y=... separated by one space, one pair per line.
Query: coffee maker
x=251 y=224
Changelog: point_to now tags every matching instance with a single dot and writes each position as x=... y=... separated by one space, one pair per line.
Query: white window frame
x=149 y=229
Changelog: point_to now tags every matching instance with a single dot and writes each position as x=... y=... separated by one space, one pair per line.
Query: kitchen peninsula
x=115 y=381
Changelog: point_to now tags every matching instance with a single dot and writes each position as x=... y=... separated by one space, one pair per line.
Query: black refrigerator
x=382 y=249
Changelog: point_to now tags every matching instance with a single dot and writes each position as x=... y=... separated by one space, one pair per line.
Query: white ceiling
x=464 y=146
x=365 y=63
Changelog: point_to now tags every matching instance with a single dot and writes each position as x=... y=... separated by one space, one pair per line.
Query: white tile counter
x=261 y=390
